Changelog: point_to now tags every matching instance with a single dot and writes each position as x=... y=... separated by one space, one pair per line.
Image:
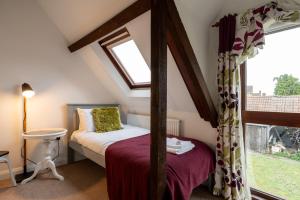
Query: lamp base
x=20 y=177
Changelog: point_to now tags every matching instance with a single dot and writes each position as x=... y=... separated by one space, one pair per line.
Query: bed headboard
x=73 y=119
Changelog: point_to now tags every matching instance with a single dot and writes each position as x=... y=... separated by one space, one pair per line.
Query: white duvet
x=98 y=142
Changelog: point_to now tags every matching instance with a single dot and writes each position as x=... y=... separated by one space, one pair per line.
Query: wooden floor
x=83 y=181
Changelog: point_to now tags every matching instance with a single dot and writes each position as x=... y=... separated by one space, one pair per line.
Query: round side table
x=48 y=136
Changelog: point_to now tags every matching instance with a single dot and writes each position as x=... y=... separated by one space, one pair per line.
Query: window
x=271 y=116
x=273 y=159
x=127 y=58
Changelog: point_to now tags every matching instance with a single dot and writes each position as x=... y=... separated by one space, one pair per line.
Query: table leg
x=36 y=171
x=51 y=165
x=46 y=163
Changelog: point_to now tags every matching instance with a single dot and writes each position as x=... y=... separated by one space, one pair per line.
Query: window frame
x=113 y=40
x=263 y=117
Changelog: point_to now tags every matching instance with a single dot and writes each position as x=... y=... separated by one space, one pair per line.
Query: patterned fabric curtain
x=251 y=25
x=230 y=176
x=240 y=38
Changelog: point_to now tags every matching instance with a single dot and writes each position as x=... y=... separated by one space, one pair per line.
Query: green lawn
x=275 y=175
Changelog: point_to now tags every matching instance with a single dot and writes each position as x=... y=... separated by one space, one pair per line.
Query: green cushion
x=106 y=119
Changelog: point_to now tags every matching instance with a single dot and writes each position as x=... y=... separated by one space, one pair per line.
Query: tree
x=286 y=85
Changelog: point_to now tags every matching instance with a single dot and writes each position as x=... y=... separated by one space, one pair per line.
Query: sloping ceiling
x=75 y=18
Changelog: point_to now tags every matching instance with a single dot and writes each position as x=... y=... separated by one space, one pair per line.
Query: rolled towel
x=181 y=150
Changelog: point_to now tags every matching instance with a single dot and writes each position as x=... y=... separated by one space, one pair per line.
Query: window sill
x=259 y=195
x=140 y=93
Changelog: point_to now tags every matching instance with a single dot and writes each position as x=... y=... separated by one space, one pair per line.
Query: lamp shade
x=27 y=90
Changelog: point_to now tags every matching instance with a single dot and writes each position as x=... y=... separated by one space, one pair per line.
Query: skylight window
x=133 y=62
x=127 y=59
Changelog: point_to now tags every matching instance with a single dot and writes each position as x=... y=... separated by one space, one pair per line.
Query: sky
x=133 y=61
x=281 y=55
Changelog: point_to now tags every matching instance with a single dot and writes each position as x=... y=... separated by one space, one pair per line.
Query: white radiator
x=173 y=125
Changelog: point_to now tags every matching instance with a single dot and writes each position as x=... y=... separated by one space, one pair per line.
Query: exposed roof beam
x=158 y=99
x=188 y=66
x=125 y=16
x=180 y=48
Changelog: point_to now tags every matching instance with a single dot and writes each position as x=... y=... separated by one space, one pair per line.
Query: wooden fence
x=257 y=137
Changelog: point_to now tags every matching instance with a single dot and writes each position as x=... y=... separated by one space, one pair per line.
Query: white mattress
x=98 y=142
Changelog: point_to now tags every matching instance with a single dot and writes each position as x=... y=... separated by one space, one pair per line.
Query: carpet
x=84 y=180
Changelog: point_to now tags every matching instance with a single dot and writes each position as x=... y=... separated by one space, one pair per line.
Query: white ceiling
x=202 y=9
x=76 y=18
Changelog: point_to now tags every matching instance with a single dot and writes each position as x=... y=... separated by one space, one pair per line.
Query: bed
x=125 y=155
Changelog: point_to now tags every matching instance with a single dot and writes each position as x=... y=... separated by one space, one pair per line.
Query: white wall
x=33 y=50
x=196 y=16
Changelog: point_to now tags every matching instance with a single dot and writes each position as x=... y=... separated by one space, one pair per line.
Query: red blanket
x=128 y=166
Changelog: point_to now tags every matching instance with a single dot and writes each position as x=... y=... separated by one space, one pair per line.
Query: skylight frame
x=116 y=39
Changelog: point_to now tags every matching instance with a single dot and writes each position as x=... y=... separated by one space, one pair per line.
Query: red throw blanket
x=128 y=168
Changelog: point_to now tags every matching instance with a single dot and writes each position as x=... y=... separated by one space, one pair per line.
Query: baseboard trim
x=4 y=174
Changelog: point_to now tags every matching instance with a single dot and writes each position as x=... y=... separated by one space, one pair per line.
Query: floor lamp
x=27 y=92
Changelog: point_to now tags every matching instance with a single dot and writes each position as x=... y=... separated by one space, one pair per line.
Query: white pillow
x=86 y=122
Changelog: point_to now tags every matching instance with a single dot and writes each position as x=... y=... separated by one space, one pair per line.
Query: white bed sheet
x=98 y=142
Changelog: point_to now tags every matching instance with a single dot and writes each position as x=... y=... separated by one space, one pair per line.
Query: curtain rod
x=216 y=25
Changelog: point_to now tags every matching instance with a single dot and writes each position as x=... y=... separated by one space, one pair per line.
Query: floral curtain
x=252 y=24
x=230 y=176
x=239 y=39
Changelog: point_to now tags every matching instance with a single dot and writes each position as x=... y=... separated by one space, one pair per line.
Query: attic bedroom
x=149 y=99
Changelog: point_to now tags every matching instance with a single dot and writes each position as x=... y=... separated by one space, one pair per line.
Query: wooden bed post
x=158 y=98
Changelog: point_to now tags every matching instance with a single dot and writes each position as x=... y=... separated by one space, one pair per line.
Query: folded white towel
x=180 y=151
x=178 y=144
x=178 y=147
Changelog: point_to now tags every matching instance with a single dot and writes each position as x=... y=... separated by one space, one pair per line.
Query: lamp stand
x=25 y=174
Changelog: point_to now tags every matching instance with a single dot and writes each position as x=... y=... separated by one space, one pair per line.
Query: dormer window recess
x=127 y=59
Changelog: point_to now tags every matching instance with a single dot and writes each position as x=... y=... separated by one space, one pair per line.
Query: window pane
x=273 y=75
x=133 y=62
x=273 y=159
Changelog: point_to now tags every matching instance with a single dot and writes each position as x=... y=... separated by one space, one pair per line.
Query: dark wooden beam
x=115 y=36
x=179 y=45
x=243 y=75
x=158 y=98
x=188 y=66
x=125 y=16
x=272 y=118
x=262 y=117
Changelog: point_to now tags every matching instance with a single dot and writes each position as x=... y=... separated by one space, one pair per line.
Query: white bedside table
x=48 y=136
